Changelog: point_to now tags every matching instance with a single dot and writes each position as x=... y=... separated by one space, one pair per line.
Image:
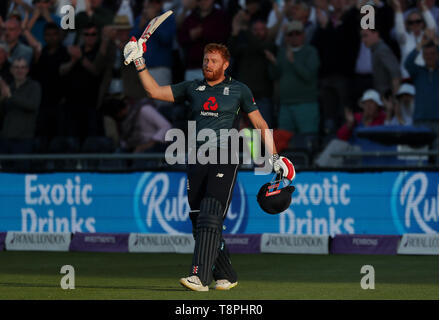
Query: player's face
x=214 y=66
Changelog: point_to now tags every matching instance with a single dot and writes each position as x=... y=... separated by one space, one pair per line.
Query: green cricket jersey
x=215 y=107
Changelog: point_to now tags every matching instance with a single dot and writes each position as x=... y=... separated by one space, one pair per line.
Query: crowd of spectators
x=311 y=67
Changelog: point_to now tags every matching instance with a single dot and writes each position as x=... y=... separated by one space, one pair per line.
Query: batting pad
x=222 y=268
x=207 y=239
x=193 y=215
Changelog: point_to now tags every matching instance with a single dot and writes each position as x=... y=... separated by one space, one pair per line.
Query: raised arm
x=275 y=20
x=133 y=52
x=401 y=32
x=428 y=17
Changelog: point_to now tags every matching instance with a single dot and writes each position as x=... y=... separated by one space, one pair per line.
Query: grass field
x=36 y=275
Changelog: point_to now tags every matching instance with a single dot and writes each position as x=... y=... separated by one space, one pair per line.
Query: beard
x=213 y=75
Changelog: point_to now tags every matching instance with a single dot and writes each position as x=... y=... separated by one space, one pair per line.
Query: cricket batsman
x=216 y=103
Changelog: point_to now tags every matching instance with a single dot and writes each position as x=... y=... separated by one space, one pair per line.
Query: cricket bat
x=152 y=26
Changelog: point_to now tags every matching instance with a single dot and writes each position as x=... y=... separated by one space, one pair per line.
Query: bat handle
x=126 y=62
x=279 y=176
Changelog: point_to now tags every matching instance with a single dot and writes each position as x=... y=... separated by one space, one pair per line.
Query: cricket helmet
x=274 y=198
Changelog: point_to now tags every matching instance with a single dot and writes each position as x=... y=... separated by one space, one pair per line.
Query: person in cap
x=399 y=112
x=304 y=11
x=372 y=115
x=114 y=38
x=296 y=67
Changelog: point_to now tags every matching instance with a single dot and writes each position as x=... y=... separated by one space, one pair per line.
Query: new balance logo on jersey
x=220 y=175
x=201 y=88
x=226 y=91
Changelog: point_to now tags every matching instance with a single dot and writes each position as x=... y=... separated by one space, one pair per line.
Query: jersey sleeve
x=247 y=101
x=179 y=91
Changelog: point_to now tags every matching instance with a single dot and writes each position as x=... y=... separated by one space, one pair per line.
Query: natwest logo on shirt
x=210 y=104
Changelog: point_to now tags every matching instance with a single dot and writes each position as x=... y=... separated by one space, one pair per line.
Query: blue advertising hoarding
x=156 y=202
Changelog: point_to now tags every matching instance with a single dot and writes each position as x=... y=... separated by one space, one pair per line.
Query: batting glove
x=134 y=51
x=284 y=166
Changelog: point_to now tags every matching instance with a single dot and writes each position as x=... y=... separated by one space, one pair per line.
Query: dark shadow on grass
x=44 y=285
